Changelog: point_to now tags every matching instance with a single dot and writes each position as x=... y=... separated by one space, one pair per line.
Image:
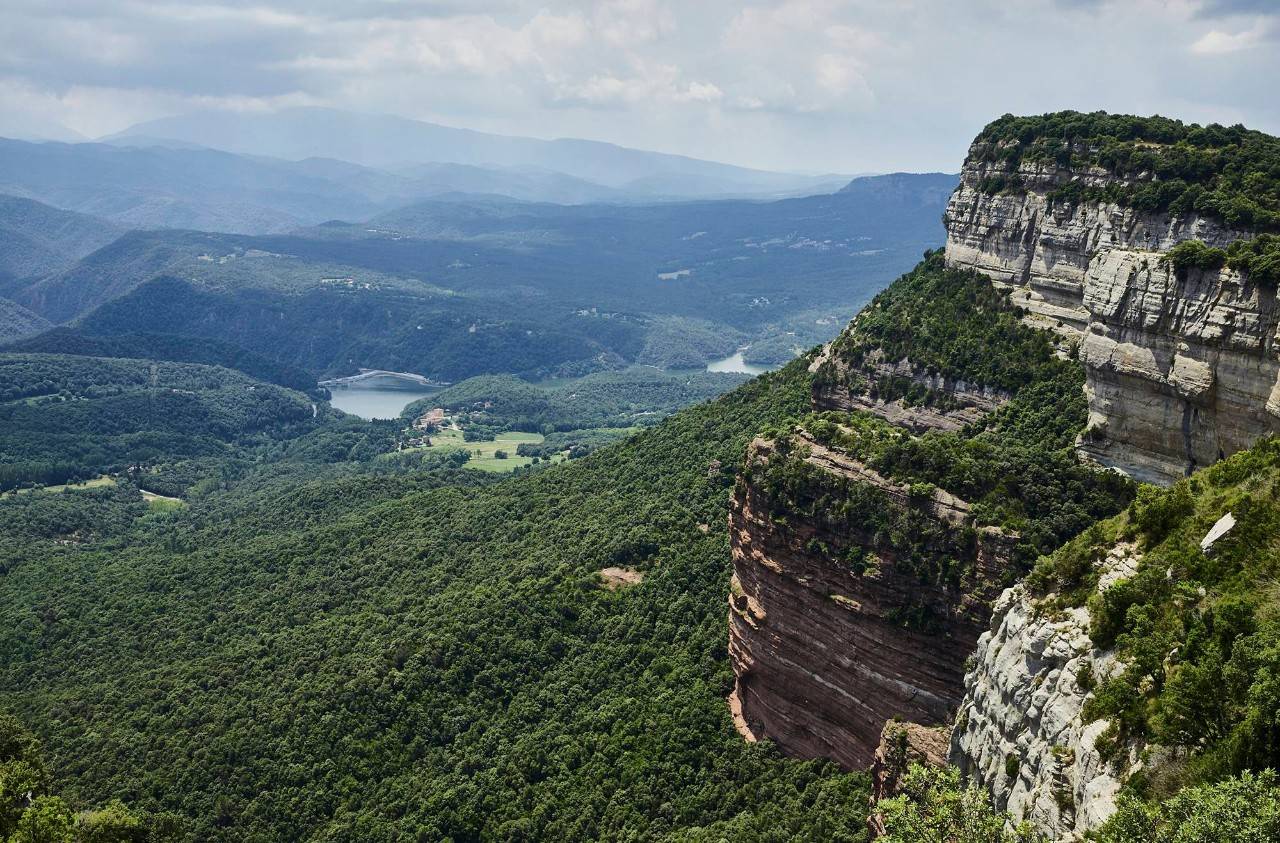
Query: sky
x=845 y=86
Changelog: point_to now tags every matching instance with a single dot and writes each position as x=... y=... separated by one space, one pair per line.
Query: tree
x=1240 y=810
x=933 y=807
x=47 y=820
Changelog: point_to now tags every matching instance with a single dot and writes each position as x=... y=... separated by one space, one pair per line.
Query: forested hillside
x=333 y=641
x=39 y=239
x=1194 y=694
x=635 y=397
x=452 y=289
x=17 y=322
x=170 y=347
x=66 y=418
x=440 y=663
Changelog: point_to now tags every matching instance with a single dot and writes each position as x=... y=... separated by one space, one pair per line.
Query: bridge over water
x=381 y=377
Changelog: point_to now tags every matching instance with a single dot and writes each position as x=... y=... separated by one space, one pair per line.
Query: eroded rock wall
x=1020 y=732
x=839 y=388
x=902 y=745
x=826 y=651
x=1181 y=367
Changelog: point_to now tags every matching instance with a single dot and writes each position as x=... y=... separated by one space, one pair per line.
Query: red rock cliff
x=853 y=601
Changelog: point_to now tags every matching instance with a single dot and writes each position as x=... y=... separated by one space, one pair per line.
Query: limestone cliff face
x=833 y=630
x=1019 y=732
x=1181 y=367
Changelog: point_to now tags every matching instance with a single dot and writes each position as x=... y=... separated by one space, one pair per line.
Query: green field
x=483 y=453
x=104 y=480
x=162 y=503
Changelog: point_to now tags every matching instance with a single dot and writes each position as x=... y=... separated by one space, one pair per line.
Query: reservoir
x=375 y=402
x=735 y=363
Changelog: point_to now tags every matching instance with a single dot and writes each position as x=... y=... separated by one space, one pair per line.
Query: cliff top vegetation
x=1228 y=173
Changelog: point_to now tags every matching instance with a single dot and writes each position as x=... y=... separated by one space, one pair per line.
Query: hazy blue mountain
x=454 y=288
x=36 y=239
x=531 y=184
x=386 y=141
x=181 y=185
x=17 y=322
x=420 y=181
x=175 y=188
x=31 y=127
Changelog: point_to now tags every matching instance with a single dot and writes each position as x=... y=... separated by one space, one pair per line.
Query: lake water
x=372 y=402
x=735 y=363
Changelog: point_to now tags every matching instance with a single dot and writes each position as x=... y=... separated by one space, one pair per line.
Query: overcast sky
x=806 y=85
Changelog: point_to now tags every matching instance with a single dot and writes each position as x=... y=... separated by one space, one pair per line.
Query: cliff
x=1144 y=651
x=863 y=388
x=838 y=624
x=902 y=745
x=1021 y=732
x=1105 y=299
x=870 y=538
x=1181 y=366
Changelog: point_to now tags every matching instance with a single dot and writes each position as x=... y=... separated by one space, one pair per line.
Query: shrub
x=1156 y=512
x=1194 y=254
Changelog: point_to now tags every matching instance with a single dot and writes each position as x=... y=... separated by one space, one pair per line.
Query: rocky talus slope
x=1182 y=367
x=832 y=631
x=1020 y=732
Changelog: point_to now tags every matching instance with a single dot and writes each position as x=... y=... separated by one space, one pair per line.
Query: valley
x=895 y=512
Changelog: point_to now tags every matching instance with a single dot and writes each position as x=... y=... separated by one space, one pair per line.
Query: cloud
x=1228 y=8
x=849 y=85
x=1217 y=42
x=801 y=56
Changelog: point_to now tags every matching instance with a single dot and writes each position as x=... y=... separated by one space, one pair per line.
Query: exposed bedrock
x=826 y=651
x=902 y=744
x=1181 y=367
x=966 y=402
x=1020 y=731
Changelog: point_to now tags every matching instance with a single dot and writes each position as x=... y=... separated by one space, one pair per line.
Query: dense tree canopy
x=1226 y=172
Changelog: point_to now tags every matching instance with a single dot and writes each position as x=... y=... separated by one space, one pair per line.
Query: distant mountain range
x=451 y=286
x=268 y=173
x=398 y=144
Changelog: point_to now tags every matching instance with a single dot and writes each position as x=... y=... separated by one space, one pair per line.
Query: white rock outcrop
x=1219 y=529
x=1183 y=368
x=1019 y=730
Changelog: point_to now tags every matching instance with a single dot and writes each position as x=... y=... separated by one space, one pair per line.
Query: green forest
x=1228 y=173
x=335 y=659
x=329 y=639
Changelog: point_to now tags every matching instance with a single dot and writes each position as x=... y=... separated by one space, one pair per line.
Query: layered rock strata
x=1042 y=249
x=1182 y=367
x=1020 y=732
x=826 y=649
x=961 y=402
